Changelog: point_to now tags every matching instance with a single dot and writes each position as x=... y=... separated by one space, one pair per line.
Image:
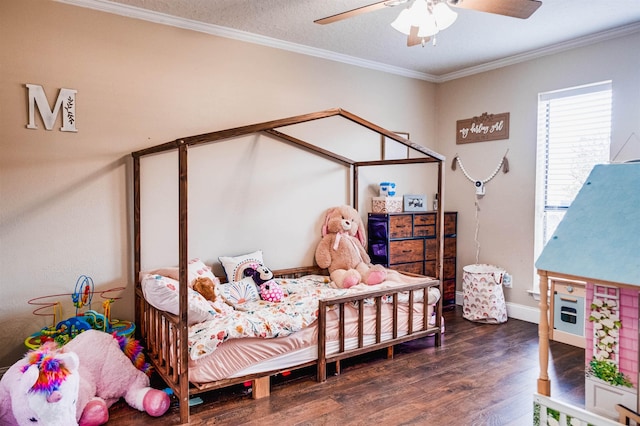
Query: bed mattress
x=241 y=357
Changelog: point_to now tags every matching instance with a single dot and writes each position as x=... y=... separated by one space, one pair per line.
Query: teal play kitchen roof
x=599 y=236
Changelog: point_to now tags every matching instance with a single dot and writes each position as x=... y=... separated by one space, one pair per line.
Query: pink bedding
x=234 y=357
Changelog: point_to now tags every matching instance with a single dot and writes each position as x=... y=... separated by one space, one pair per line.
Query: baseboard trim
x=514 y=310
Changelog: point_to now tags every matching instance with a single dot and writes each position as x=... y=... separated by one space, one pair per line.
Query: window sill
x=535 y=293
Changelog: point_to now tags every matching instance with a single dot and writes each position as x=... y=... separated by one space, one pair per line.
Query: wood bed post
x=322 y=341
x=544 y=384
x=136 y=244
x=355 y=187
x=440 y=251
x=183 y=260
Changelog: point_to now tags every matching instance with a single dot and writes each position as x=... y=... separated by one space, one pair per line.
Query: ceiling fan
x=420 y=34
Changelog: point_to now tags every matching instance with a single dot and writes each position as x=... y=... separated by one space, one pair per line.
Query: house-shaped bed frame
x=176 y=375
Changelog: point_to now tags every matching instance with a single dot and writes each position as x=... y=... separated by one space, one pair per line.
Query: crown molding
x=217 y=30
x=220 y=31
x=545 y=51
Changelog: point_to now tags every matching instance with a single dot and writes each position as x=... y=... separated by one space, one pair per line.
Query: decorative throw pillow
x=195 y=269
x=238 y=292
x=162 y=293
x=234 y=266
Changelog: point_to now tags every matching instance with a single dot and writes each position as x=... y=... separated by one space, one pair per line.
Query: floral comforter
x=297 y=310
x=263 y=319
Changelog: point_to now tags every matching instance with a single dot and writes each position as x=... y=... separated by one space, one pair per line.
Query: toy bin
x=483 y=298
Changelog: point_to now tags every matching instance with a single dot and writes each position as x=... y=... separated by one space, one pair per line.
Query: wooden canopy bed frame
x=155 y=328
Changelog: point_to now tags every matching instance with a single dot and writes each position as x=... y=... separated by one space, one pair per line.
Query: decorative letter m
x=66 y=99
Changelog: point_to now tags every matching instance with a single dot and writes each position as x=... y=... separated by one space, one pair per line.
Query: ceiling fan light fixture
x=392 y=3
x=429 y=17
x=444 y=15
x=427 y=25
x=403 y=22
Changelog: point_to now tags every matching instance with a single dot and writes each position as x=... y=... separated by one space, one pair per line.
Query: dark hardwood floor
x=482 y=374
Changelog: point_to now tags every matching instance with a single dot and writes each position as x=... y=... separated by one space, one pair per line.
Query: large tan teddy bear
x=342 y=249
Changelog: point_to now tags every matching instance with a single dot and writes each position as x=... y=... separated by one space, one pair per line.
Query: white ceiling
x=476 y=42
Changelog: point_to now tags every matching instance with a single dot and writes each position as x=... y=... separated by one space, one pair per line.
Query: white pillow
x=162 y=293
x=238 y=292
x=234 y=266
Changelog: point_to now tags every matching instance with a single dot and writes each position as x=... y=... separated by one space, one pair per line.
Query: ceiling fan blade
x=413 y=39
x=515 y=8
x=354 y=12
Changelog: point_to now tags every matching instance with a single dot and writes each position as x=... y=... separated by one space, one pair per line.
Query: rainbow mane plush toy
x=52 y=371
x=77 y=383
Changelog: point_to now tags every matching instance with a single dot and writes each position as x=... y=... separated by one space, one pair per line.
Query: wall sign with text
x=65 y=105
x=487 y=127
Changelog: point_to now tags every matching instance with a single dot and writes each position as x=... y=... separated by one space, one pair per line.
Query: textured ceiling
x=475 y=42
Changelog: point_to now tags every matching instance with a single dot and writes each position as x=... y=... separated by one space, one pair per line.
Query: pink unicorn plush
x=76 y=384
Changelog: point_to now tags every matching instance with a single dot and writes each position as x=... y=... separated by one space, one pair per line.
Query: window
x=574 y=134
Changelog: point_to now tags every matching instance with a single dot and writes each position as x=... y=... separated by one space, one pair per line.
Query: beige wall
x=506 y=216
x=66 y=208
x=65 y=205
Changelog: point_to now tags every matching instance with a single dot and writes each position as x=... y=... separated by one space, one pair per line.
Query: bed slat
x=358 y=300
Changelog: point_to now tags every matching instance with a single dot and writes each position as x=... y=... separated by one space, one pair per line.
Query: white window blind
x=574 y=133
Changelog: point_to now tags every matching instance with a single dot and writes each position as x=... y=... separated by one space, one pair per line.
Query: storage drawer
x=424 y=219
x=450 y=220
x=449 y=269
x=448 y=266
x=424 y=230
x=406 y=251
x=400 y=226
x=430 y=249
x=413 y=267
x=430 y=268
x=377 y=228
x=449 y=290
x=450 y=247
x=378 y=253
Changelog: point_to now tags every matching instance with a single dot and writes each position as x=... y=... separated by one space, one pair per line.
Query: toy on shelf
x=63 y=330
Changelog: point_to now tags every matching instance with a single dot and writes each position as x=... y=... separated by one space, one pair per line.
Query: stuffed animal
x=342 y=249
x=271 y=291
x=260 y=273
x=268 y=288
x=77 y=383
x=207 y=288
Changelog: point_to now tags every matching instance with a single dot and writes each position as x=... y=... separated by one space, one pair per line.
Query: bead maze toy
x=63 y=330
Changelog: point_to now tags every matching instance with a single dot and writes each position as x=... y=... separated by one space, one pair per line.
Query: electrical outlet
x=507 y=281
